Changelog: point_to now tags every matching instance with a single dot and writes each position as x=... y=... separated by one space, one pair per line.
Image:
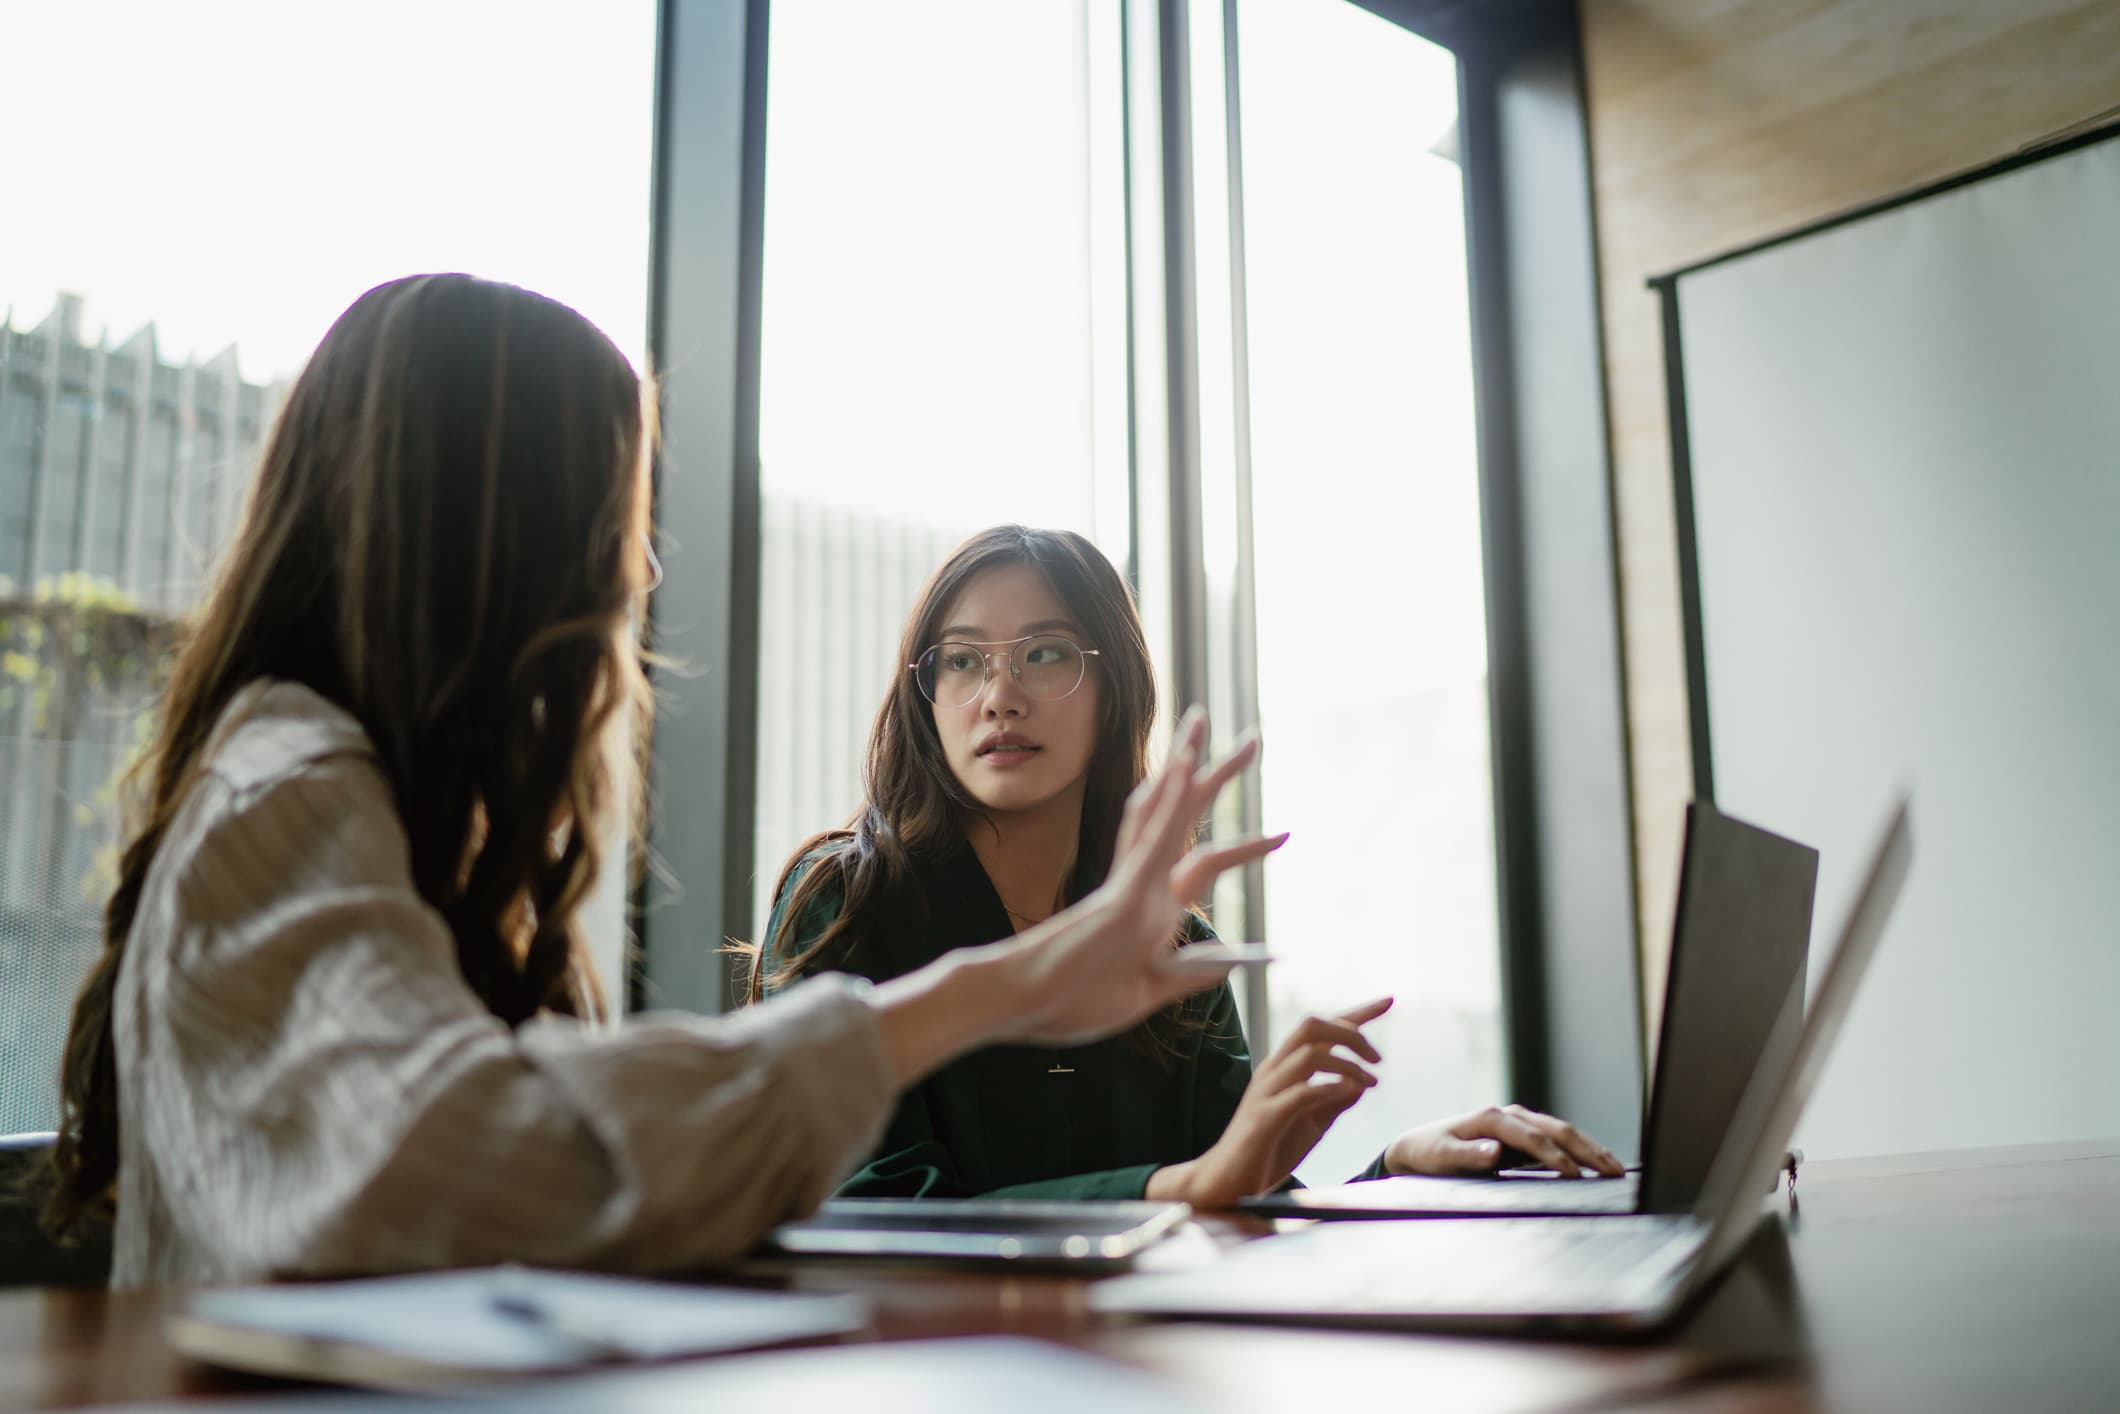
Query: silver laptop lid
x=1733 y=994
x=1751 y=1151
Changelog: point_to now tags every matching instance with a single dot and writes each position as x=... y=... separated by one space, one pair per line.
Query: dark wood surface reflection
x=1978 y=1280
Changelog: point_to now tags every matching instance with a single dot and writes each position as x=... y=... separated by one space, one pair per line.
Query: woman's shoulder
x=288 y=798
x=829 y=853
x=272 y=731
x=823 y=897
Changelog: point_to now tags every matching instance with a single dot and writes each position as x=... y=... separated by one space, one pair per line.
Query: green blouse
x=1026 y=1122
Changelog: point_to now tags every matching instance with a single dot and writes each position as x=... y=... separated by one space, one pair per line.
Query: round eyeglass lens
x=1048 y=667
x=952 y=673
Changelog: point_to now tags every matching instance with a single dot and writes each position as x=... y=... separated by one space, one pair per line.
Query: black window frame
x=1564 y=843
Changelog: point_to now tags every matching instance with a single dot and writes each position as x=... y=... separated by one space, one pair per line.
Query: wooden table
x=1976 y=1280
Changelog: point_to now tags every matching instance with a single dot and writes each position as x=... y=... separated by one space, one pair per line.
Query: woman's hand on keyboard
x=1473 y=1143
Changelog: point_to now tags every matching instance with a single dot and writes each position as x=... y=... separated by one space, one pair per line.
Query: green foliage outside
x=80 y=660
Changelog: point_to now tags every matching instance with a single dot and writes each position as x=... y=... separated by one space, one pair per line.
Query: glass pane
x=1372 y=630
x=158 y=306
x=1223 y=447
x=944 y=304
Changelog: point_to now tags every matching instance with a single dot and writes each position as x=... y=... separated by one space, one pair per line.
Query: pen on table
x=512 y=1298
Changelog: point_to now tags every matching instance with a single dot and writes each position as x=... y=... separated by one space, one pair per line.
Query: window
x=947 y=341
x=1368 y=597
x=110 y=487
x=19 y=438
x=139 y=375
x=63 y=480
x=199 y=498
x=969 y=313
x=156 y=490
x=942 y=313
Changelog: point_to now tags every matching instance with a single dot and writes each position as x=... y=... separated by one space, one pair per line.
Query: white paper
x=458 y=1319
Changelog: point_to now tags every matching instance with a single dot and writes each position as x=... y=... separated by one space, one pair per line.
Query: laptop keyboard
x=1548 y=1265
x=1473 y=1195
x=1491 y=1267
x=1542 y=1195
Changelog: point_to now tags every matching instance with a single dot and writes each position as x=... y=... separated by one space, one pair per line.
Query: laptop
x=1559 y=1275
x=1733 y=1001
x=1027 y=1231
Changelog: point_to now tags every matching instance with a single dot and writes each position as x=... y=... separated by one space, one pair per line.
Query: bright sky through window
x=238 y=171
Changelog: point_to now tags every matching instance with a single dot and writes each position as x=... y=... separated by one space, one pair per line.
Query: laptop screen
x=1733 y=999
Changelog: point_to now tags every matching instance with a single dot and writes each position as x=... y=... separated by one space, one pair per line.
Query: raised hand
x=1094 y=968
x=1099 y=966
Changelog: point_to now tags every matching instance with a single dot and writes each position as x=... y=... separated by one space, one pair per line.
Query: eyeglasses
x=1046 y=666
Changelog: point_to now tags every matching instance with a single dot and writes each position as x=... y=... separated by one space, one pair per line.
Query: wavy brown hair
x=446 y=538
x=915 y=810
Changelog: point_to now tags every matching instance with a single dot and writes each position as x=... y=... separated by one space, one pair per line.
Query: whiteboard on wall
x=1900 y=438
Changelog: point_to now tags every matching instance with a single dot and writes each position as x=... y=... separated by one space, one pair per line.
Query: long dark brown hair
x=916 y=811
x=445 y=537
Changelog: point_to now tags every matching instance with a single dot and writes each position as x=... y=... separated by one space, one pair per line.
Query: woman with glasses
x=996 y=773
x=344 y=1019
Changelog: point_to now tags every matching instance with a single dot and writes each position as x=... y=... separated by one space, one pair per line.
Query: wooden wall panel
x=1714 y=123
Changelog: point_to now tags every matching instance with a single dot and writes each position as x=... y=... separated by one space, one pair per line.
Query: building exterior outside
x=120 y=476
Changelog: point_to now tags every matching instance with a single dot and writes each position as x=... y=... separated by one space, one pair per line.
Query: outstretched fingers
x=1328 y=1031
x=1142 y=805
x=1195 y=875
x=1330 y=1097
x=1161 y=811
x=1366 y=1013
x=1165 y=820
x=1209 y=784
x=1338 y=1065
x=1178 y=984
